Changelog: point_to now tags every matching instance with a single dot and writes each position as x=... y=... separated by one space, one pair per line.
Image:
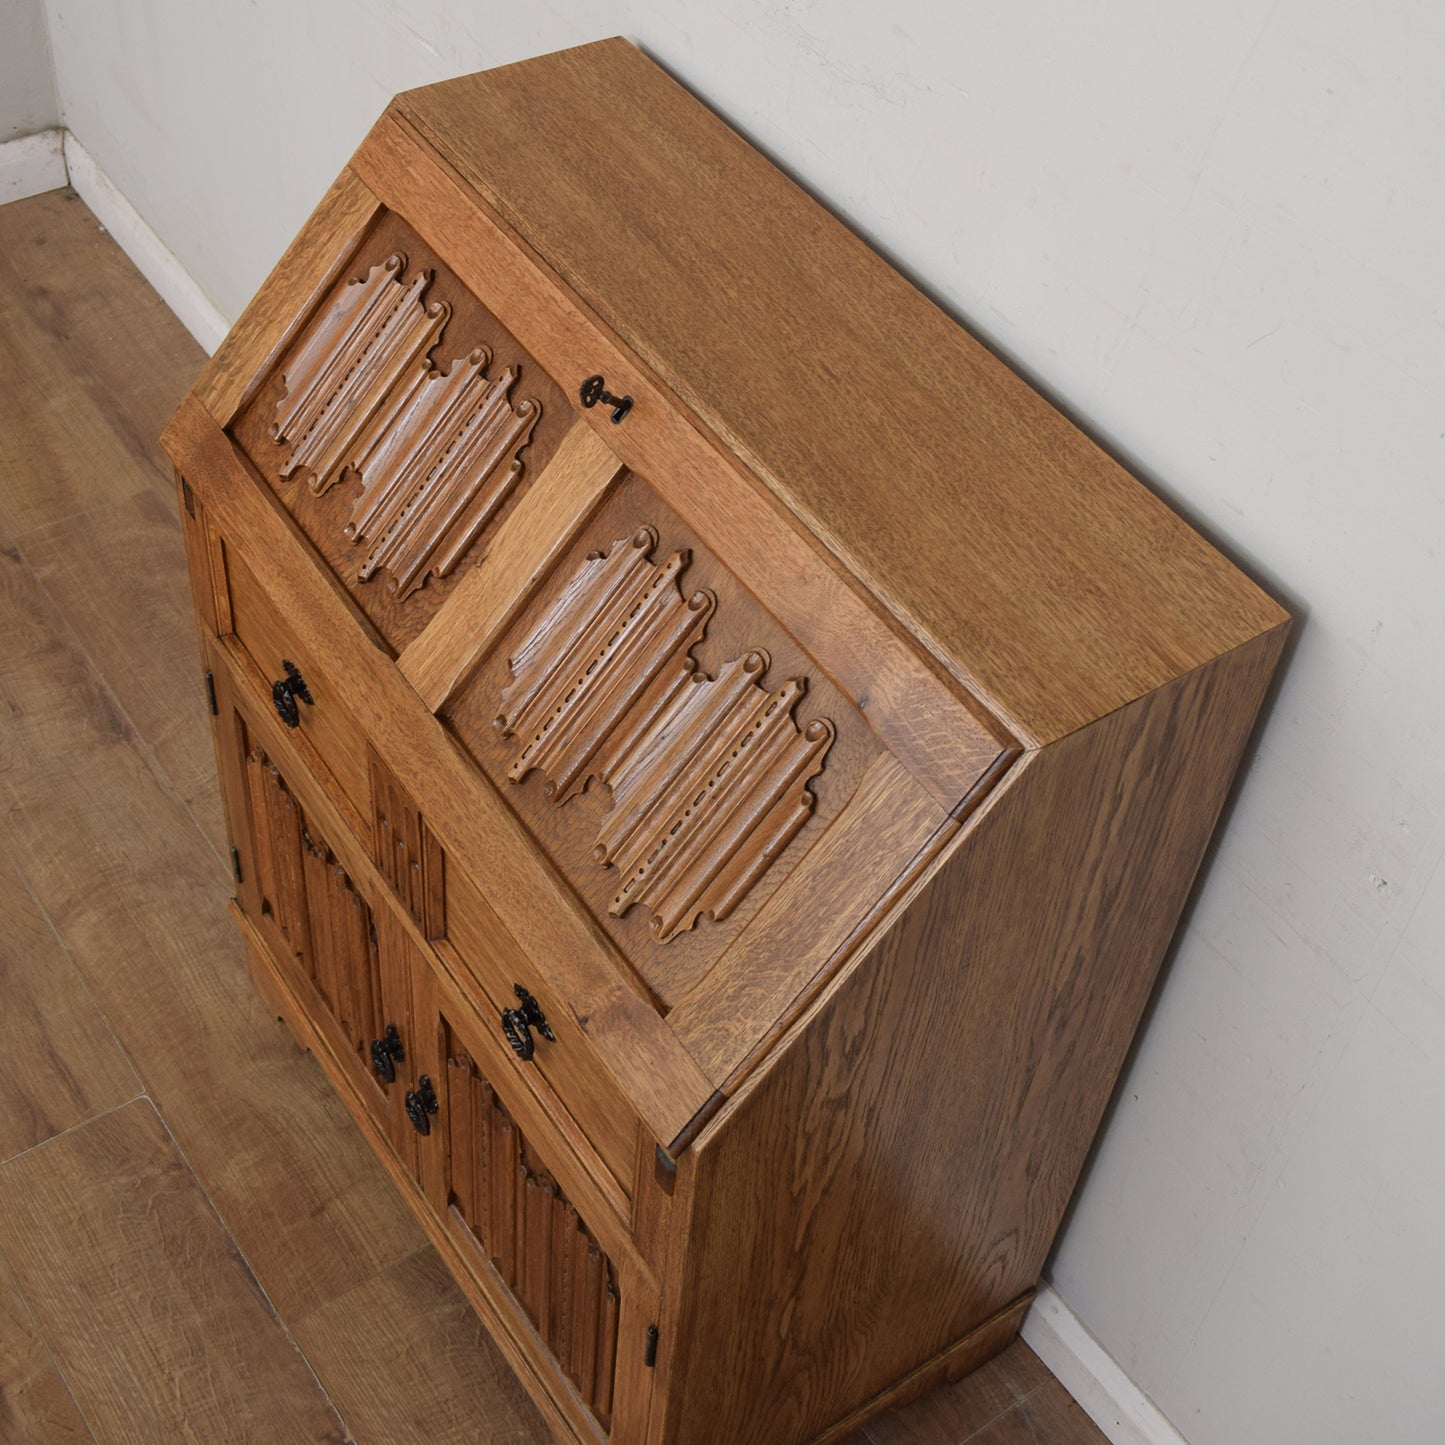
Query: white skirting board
x=151 y=256
x=1091 y=1375
x=30 y=165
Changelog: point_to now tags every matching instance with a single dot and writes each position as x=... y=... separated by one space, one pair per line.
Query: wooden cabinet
x=714 y=760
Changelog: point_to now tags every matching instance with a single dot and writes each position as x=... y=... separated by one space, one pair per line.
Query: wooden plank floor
x=194 y=1242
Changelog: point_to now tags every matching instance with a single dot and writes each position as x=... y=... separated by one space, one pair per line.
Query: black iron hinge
x=236 y=866
x=650 y=1358
x=211 y=694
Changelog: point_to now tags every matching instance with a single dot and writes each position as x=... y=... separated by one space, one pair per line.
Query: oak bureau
x=714 y=760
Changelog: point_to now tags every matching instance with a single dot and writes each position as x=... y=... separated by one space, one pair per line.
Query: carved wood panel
x=315 y=907
x=402 y=613
x=708 y=793
x=376 y=334
x=436 y=465
x=620 y=630
x=437 y=452
x=347 y=969
x=407 y=852
x=709 y=776
x=538 y=1243
x=277 y=828
x=568 y=833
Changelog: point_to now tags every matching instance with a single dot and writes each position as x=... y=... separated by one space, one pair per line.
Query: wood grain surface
x=62 y=1063
x=404 y=1357
x=961 y=1358
x=91 y=364
x=475 y=827
x=958 y=1411
x=759 y=328
x=153 y=1317
x=435 y=451
x=483 y=954
x=137 y=630
x=324 y=722
x=335 y=381
x=1049 y=1416
x=559 y=1138
x=36 y=1408
x=904 y=1091
x=488 y=597
x=708 y=774
x=807 y=927
x=504 y=1317
x=469 y=327
x=541 y=1247
x=938 y=729
x=735 y=625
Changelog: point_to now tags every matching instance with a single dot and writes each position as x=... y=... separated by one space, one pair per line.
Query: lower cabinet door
x=529 y=1248
x=501 y=1193
x=351 y=976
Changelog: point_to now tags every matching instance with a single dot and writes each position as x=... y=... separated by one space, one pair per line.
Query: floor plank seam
x=39 y=1334
x=360 y=1284
x=73 y=1128
x=134 y=736
x=350 y=1435
x=7 y=857
x=255 y=1278
x=1017 y=1405
x=221 y=1220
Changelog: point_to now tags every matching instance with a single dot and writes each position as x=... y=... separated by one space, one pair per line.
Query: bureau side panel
x=897 y=1173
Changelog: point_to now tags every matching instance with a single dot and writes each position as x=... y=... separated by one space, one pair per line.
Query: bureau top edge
x=1019 y=553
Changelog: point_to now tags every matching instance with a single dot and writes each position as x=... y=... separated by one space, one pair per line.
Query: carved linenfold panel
x=437 y=453
x=316 y=908
x=709 y=776
x=533 y=1236
x=345 y=967
x=621 y=631
x=375 y=336
x=436 y=463
x=407 y=852
x=708 y=794
x=277 y=830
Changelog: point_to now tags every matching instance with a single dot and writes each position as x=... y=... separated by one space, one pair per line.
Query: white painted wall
x=27 y=80
x=1214 y=232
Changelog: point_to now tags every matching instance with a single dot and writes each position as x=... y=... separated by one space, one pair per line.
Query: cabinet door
x=321 y=932
x=413 y=1117
x=527 y=1245
x=503 y=1195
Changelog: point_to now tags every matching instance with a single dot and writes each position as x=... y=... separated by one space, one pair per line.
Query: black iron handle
x=594 y=390
x=386 y=1053
x=518 y=1023
x=517 y=1033
x=421 y=1102
x=287 y=692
